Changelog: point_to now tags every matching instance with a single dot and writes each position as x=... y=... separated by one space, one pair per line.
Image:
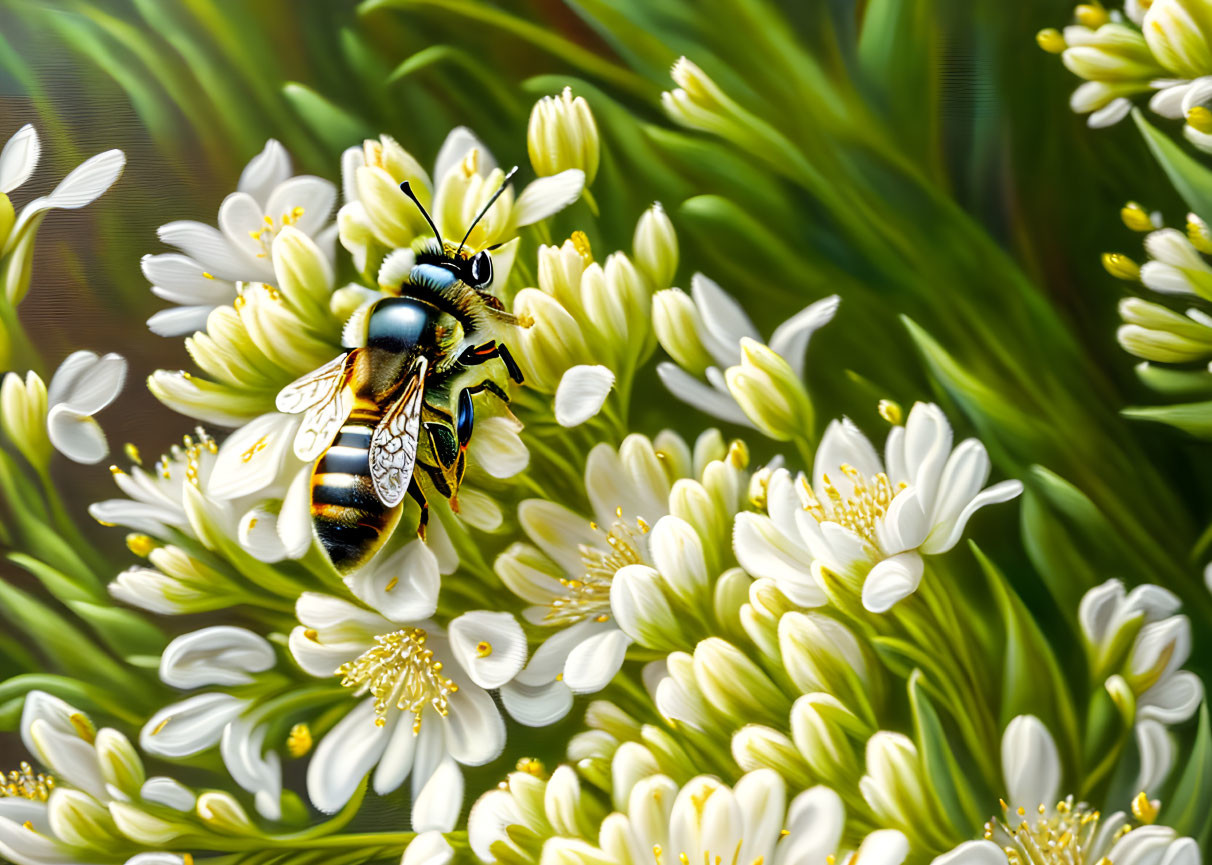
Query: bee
x=399 y=400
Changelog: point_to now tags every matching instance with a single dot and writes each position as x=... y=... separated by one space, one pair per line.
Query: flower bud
x=758 y=747
x=551 y=345
x=119 y=762
x=677 y=553
x=1114 y=53
x=677 y=323
x=356 y=234
x=304 y=274
x=735 y=685
x=828 y=737
x=822 y=654
x=7 y=217
x=1179 y=33
x=655 y=246
x=79 y=820
x=1050 y=40
x=641 y=609
x=562 y=134
x=769 y=392
x=1121 y=266
x=23 y=416
x=895 y=787
x=222 y=813
x=147 y=829
x=1198 y=234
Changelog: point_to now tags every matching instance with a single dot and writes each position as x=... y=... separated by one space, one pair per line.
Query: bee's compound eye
x=479 y=269
x=466 y=417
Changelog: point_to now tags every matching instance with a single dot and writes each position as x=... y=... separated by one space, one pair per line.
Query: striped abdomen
x=350 y=520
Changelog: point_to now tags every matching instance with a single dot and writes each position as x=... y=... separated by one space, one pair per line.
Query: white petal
x=95 y=387
x=972 y=853
x=436 y=808
x=19 y=158
x=764 y=551
x=489 y=817
x=252 y=458
x=536 y=705
x=761 y=796
x=1168 y=102
x=725 y=322
x=1182 y=851
x=705 y=398
x=87 y=181
x=1110 y=114
x=843 y=444
x=904 y=525
x=397 y=758
x=428 y=848
x=218 y=655
x=255 y=771
x=593 y=663
x=169 y=792
x=294 y=519
x=206 y=245
x=947 y=535
x=257 y=533
x=1174 y=699
x=190 y=726
x=892 y=580
x=883 y=847
x=78 y=437
x=242 y=219
x=1155 y=749
x=1030 y=763
x=497 y=448
x=558 y=532
x=314 y=195
x=489 y=646
x=179 y=321
x=70 y=372
x=1144 y=845
x=403 y=587
x=790 y=339
x=321 y=659
x=265 y=171
x=344 y=756
x=1097 y=608
x=581 y=393
x=547 y=195
x=458 y=142
x=475 y=731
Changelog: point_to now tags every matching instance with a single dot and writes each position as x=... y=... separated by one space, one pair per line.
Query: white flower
x=83 y=385
x=425 y=710
x=1175 y=265
x=19 y=158
x=1136 y=639
x=1037 y=827
x=211 y=261
x=465 y=177
x=568 y=572
x=709 y=328
x=225 y=656
x=864 y=522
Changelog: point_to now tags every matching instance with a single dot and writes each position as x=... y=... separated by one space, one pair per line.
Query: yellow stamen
x=400 y=671
x=1145 y=811
x=299 y=741
x=891 y=412
x=1050 y=40
x=1121 y=266
x=24 y=783
x=483 y=649
x=580 y=242
x=1199 y=118
x=1091 y=15
x=1136 y=217
x=391 y=584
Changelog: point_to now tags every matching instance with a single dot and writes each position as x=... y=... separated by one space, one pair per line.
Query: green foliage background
x=916 y=156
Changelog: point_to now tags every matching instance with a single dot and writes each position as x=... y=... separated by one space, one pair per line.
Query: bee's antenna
x=406 y=188
x=491 y=201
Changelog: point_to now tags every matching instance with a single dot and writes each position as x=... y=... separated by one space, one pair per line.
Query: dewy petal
x=346 y=754
x=265 y=171
x=1030 y=763
x=403 y=587
x=705 y=398
x=190 y=726
x=790 y=339
x=436 y=808
x=592 y=664
x=475 y=731
x=725 y=323
x=78 y=437
x=491 y=647
x=19 y=158
x=218 y=655
x=547 y=195
x=892 y=580
x=581 y=393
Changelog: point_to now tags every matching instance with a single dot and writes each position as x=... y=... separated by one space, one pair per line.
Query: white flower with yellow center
x=568 y=572
x=865 y=522
x=710 y=337
x=418 y=697
x=1038 y=829
x=465 y=176
x=211 y=262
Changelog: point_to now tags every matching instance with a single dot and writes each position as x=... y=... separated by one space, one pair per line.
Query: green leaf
x=952 y=789
x=1191 y=179
x=1189 y=808
x=1175 y=382
x=1194 y=418
x=1032 y=682
x=123 y=630
x=333 y=125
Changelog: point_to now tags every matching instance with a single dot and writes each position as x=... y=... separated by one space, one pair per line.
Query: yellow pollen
x=84 y=727
x=1121 y=266
x=1145 y=811
x=588 y=596
x=601 y=618
x=891 y=412
x=187 y=859
x=1051 y=40
x=24 y=783
x=531 y=766
x=1062 y=835
x=580 y=242
x=160 y=727
x=861 y=510
x=208 y=275
x=1199 y=118
x=400 y=671
x=140 y=545
x=830 y=859
x=391 y=584
x=559 y=677
x=256 y=448
x=298 y=742
x=132 y=454
x=28 y=825
x=1136 y=217
x=1091 y=15
x=483 y=649
x=311 y=634
x=252 y=523
x=783 y=833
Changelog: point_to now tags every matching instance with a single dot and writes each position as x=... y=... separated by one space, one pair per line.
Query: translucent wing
x=393 y=447
x=323 y=395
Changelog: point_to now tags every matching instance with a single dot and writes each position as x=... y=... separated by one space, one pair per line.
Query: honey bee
x=399 y=399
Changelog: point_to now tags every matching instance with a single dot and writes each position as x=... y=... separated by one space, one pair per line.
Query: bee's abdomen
x=350 y=520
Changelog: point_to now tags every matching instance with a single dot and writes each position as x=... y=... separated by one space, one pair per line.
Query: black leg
x=483 y=353
x=414 y=490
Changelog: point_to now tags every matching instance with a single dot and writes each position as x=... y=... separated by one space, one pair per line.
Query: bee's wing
x=393 y=447
x=323 y=395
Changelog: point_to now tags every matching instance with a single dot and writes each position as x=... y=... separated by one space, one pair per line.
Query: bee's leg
x=414 y=490
x=515 y=371
x=483 y=353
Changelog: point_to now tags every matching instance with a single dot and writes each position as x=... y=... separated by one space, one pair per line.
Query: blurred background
x=935 y=172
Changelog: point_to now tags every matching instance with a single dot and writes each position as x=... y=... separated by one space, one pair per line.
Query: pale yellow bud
x=222 y=812
x=79 y=820
x=562 y=134
x=769 y=392
x=1198 y=234
x=1050 y=40
x=119 y=761
x=7 y=217
x=656 y=247
x=1091 y=15
x=552 y=344
x=23 y=416
x=1199 y=118
x=1121 y=266
x=677 y=323
x=1179 y=33
x=1136 y=217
